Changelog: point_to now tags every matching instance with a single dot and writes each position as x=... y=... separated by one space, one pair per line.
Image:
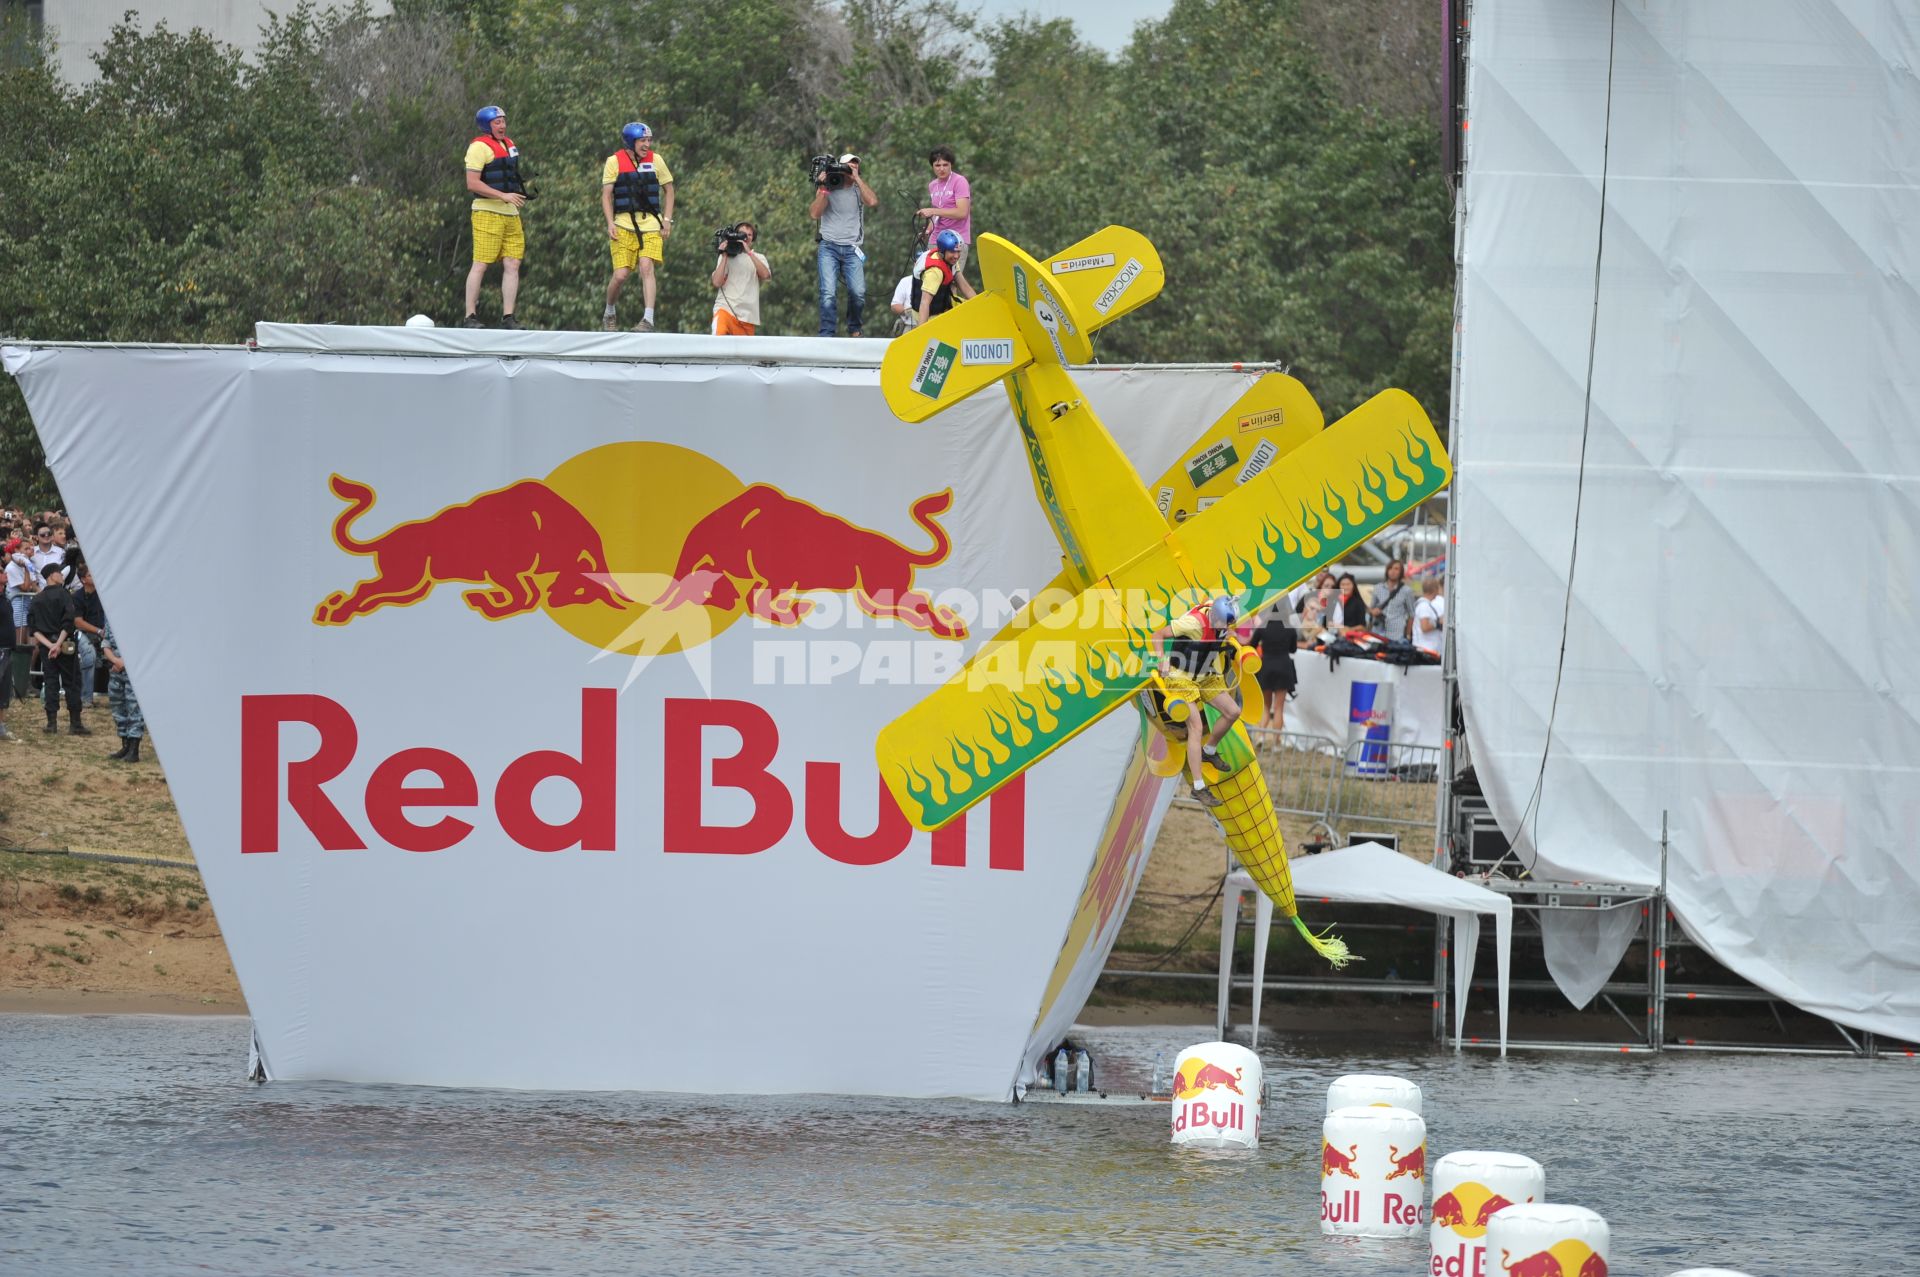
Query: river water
x=130 y=1144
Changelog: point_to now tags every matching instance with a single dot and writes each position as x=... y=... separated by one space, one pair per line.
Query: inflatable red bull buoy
x=1544 y=1239
x=1216 y=1096
x=1469 y=1189
x=1373 y=1172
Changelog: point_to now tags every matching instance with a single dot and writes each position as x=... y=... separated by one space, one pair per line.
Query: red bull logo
x=1558 y=1260
x=766 y=549
x=1334 y=1162
x=1414 y=1163
x=1199 y=1077
x=524 y=544
x=644 y=549
x=1460 y=1217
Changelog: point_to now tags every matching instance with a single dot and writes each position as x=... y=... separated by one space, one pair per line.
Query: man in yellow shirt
x=493 y=176
x=636 y=194
x=1194 y=668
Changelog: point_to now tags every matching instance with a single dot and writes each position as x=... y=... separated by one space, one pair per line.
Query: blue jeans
x=834 y=262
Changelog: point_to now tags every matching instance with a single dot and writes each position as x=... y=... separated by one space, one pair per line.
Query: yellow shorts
x=628 y=250
x=1186 y=688
x=496 y=235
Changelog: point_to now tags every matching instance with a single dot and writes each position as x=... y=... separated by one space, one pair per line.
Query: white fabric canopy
x=1746 y=471
x=1368 y=873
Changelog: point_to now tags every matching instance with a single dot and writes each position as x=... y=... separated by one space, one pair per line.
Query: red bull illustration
x=615 y=543
x=1205 y=1078
x=1414 y=1163
x=1334 y=1162
x=1554 y=1262
x=1486 y=1211
x=508 y=541
x=1448 y=1212
x=768 y=548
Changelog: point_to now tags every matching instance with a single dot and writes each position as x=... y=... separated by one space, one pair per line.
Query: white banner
x=1736 y=653
x=520 y=709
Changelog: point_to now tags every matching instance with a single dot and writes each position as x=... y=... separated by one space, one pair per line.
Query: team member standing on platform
x=738 y=275
x=493 y=176
x=940 y=278
x=949 y=204
x=636 y=194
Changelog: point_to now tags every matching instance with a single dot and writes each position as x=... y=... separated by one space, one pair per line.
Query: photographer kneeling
x=841 y=198
x=738 y=273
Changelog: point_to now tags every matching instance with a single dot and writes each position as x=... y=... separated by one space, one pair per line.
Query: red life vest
x=1201 y=656
x=502 y=172
x=636 y=187
x=943 y=296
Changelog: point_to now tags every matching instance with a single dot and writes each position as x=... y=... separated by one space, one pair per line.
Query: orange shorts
x=725 y=325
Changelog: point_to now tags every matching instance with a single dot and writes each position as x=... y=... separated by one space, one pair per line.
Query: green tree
x=1281 y=154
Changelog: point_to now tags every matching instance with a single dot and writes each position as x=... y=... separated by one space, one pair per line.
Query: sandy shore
x=103 y=1002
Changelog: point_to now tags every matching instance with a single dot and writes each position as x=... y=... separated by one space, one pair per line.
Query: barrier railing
x=1381 y=784
x=1299 y=769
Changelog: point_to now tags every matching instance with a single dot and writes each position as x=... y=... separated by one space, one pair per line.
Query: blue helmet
x=1224 y=611
x=635 y=132
x=946 y=242
x=485 y=117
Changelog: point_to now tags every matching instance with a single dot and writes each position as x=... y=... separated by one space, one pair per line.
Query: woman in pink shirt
x=950 y=204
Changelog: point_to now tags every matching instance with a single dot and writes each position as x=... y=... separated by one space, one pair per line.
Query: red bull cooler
x=1370 y=727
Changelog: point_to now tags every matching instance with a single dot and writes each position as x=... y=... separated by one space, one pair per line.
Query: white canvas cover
x=1367 y=873
x=729 y=908
x=1738 y=648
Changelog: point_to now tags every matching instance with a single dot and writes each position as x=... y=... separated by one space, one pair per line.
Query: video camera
x=730 y=241
x=830 y=172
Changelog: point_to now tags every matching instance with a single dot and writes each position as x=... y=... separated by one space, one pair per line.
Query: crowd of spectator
x=1399 y=620
x=57 y=632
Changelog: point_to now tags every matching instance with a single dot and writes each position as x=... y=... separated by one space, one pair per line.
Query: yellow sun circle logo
x=642 y=499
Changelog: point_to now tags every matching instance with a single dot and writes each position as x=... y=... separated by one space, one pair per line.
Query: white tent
x=1368 y=873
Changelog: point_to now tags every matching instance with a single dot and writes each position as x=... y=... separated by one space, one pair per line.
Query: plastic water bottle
x=1060 y=1071
x=1082 y=1072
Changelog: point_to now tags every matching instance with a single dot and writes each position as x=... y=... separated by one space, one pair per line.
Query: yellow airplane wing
x=1022 y=697
x=1110 y=272
x=1330 y=494
x=951 y=356
x=1274 y=416
x=1044 y=318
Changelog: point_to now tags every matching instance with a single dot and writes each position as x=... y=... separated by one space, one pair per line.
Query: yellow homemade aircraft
x=1265 y=500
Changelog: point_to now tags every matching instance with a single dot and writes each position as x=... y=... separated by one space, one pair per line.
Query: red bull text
x=396 y=810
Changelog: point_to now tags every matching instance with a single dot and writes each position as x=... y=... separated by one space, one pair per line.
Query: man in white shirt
x=47 y=547
x=23 y=582
x=1429 y=617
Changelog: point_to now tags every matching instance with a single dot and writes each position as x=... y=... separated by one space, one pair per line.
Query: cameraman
x=738 y=274
x=840 y=200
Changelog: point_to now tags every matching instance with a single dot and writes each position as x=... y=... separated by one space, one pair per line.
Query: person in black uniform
x=1278 y=640
x=51 y=619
